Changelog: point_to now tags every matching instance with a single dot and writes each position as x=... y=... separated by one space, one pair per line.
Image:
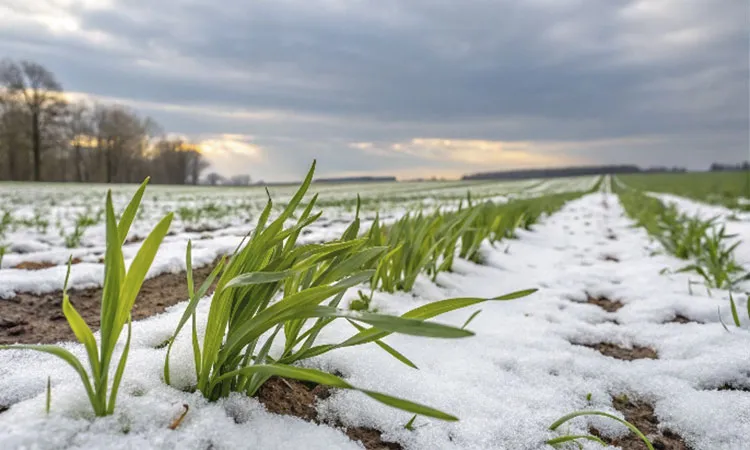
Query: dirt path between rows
x=38 y=319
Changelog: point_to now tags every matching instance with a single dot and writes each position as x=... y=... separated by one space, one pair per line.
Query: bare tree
x=240 y=180
x=80 y=127
x=121 y=136
x=41 y=95
x=13 y=137
x=214 y=178
x=44 y=138
x=197 y=164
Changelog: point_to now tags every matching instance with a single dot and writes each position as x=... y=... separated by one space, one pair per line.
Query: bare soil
x=38 y=319
x=622 y=353
x=295 y=398
x=39 y=265
x=642 y=415
x=201 y=229
x=679 y=318
x=734 y=386
x=604 y=303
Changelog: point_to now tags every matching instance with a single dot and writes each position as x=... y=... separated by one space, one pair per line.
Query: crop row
x=704 y=242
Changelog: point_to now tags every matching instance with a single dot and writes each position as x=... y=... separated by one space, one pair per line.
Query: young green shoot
x=569 y=438
x=121 y=287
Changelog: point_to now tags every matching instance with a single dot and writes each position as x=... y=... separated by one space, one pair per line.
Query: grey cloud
x=390 y=71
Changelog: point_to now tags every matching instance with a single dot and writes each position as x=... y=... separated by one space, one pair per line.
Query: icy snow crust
x=507 y=384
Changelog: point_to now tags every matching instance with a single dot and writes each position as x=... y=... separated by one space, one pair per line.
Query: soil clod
x=604 y=303
x=10 y=322
x=622 y=353
x=295 y=398
x=642 y=416
x=679 y=318
x=39 y=265
x=732 y=386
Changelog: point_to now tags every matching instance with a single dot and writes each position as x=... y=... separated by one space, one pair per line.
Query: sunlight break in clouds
x=471 y=152
x=231 y=154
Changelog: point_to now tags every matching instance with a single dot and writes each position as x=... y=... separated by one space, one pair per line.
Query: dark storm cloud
x=672 y=74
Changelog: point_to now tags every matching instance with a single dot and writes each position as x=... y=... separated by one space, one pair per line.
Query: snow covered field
x=39 y=219
x=603 y=290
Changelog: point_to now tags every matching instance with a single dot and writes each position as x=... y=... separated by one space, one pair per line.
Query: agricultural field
x=730 y=189
x=538 y=314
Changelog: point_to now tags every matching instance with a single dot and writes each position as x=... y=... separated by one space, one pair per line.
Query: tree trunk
x=12 y=169
x=36 y=138
x=109 y=165
x=78 y=163
x=108 y=161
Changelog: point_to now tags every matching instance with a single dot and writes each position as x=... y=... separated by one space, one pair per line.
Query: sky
x=410 y=88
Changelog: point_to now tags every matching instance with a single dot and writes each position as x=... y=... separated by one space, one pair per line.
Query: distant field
x=46 y=221
x=731 y=189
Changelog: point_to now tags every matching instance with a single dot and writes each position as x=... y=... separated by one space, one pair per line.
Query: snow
x=223 y=234
x=507 y=384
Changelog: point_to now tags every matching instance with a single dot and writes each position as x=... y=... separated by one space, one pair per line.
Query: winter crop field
x=592 y=312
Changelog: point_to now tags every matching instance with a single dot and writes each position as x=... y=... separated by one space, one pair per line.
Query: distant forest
x=355 y=180
x=46 y=137
x=592 y=170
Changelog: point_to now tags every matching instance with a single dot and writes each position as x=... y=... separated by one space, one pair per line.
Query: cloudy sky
x=412 y=87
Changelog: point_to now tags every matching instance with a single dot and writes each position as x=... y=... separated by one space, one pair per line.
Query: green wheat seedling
x=6 y=223
x=683 y=236
x=429 y=243
x=735 y=313
x=555 y=442
x=688 y=238
x=716 y=263
x=37 y=222
x=48 y=396
x=118 y=296
x=83 y=221
x=272 y=288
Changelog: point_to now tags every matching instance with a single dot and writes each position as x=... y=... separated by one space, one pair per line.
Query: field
x=561 y=313
x=730 y=189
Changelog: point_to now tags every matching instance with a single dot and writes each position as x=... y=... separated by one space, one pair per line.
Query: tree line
x=44 y=137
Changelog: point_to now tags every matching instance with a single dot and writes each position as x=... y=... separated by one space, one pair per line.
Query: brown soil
x=611 y=258
x=201 y=229
x=642 y=416
x=679 y=318
x=622 y=353
x=38 y=319
x=295 y=398
x=604 y=303
x=136 y=239
x=39 y=265
x=732 y=386
x=3 y=408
